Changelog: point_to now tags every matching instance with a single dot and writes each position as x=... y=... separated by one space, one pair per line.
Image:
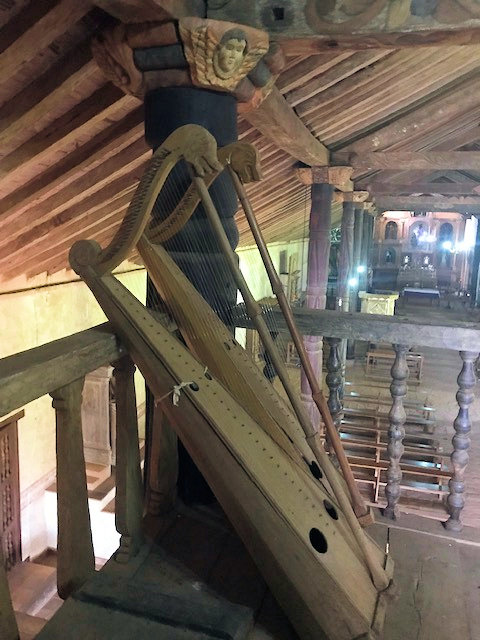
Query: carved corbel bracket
x=356 y=196
x=340 y=177
x=215 y=55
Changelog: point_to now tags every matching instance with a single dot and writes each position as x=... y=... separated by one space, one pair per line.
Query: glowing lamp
x=361 y=268
x=447 y=245
x=353 y=282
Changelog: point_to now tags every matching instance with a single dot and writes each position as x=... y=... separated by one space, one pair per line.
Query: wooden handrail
x=31 y=374
x=459 y=336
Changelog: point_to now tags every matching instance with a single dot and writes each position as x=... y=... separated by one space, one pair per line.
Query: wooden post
x=76 y=560
x=163 y=466
x=317 y=278
x=8 y=624
x=461 y=440
x=129 y=493
x=396 y=431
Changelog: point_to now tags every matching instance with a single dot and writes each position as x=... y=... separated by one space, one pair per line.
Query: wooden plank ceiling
x=72 y=149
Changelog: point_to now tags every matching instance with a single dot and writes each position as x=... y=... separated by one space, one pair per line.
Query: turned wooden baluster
x=76 y=560
x=8 y=624
x=461 y=440
x=129 y=487
x=334 y=380
x=396 y=431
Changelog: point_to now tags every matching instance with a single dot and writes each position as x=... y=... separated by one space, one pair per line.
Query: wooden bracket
x=340 y=177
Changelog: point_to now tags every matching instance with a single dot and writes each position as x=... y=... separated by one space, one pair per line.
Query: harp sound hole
x=227 y=346
x=330 y=509
x=194 y=386
x=315 y=470
x=318 y=541
x=208 y=376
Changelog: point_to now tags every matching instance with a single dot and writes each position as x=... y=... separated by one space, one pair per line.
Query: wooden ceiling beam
x=307 y=27
x=131 y=11
x=84 y=80
x=363 y=111
x=277 y=121
x=107 y=144
x=94 y=225
x=444 y=188
x=41 y=34
x=56 y=246
x=313 y=66
x=79 y=125
x=410 y=160
x=344 y=69
x=424 y=119
x=24 y=243
x=461 y=204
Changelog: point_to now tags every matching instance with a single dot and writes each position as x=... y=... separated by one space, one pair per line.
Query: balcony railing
x=59 y=368
x=402 y=333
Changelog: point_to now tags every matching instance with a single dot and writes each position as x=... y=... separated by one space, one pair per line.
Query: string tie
x=176 y=391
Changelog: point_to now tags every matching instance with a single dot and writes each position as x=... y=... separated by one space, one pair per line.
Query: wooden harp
x=246 y=441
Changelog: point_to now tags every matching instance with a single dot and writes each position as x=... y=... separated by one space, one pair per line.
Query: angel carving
x=219 y=56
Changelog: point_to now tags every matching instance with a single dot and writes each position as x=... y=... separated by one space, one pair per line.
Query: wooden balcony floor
x=437 y=577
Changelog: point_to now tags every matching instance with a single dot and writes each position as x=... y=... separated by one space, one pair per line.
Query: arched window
x=391 y=230
x=390 y=256
x=446 y=233
x=445 y=246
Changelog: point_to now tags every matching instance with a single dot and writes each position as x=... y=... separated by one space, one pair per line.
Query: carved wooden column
x=129 y=488
x=8 y=624
x=396 y=431
x=461 y=440
x=76 y=561
x=322 y=181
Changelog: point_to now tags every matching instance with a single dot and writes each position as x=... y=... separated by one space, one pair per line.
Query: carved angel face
x=229 y=54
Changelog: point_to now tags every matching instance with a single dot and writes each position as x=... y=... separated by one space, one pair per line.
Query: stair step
x=31 y=586
x=29 y=626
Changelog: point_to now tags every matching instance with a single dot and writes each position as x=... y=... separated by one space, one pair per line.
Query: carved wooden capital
x=221 y=56
x=338 y=176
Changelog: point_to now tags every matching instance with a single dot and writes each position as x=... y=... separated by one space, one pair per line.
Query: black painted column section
x=194 y=248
